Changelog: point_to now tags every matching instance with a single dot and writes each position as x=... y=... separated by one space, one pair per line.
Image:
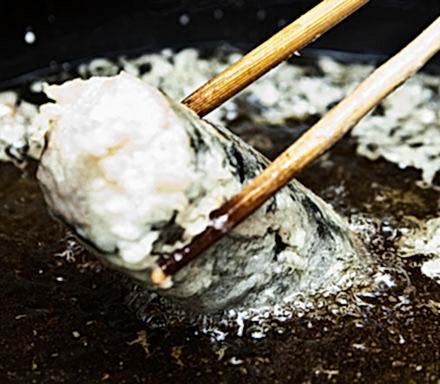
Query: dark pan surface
x=70 y=31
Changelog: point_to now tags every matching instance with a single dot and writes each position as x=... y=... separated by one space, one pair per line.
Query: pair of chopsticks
x=317 y=139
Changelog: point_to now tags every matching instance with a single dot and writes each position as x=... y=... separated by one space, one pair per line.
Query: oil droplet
x=30 y=37
x=281 y=23
x=218 y=14
x=261 y=14
x=184 y=19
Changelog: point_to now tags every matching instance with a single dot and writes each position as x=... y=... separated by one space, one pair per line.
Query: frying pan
x=72 y=321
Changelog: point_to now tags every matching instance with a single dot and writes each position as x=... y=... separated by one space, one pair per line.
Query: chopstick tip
x=160 y=279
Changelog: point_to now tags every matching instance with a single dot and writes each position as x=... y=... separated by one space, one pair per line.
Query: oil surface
x=67 y=319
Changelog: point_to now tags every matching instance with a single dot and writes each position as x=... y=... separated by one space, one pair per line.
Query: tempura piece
x=137 y=175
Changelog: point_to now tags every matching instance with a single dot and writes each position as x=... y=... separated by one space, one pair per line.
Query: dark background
x=76 y=30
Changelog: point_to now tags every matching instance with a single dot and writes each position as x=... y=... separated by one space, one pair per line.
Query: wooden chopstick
x=273 y=51
x=307 y=148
